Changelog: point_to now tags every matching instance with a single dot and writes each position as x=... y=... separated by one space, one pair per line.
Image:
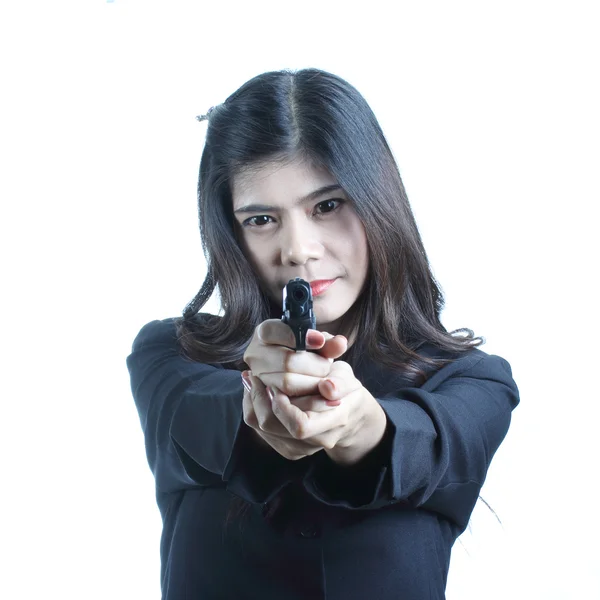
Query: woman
x=347 y=471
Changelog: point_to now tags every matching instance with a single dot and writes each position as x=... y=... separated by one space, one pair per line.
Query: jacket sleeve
x=192 y=419
x=438 y=445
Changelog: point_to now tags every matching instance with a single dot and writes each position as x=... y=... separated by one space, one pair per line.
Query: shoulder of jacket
x=475 y=364
x=164 y=331
x=156 y=332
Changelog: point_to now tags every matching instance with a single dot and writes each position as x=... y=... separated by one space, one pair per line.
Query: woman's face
x=290 y=226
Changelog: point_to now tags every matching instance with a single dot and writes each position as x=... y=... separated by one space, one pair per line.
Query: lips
x=320 y=285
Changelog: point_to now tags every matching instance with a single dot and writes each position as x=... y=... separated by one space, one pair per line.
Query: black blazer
x=381 y=530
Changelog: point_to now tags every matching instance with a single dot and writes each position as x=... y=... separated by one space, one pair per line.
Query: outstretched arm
x=436 y=448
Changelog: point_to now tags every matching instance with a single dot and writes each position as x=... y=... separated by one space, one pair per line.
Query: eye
x=328 y=206
x=257 y=221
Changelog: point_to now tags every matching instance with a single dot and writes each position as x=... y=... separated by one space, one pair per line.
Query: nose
x=299 y=243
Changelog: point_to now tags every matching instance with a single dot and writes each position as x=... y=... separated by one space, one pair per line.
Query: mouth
x=318 y=286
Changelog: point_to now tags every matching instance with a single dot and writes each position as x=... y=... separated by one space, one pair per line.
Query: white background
x=491 y=109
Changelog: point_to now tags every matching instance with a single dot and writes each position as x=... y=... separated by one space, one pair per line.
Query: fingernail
x=331 y=384
x=313 y=337
x=270 y=394
x=246 y=380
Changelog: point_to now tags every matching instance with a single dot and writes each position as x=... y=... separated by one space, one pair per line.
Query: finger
x=314 y=403
x=276 y=332
x=293 y=384
x=283 y=359
x=266 y=420
x=248 y=411
x=271 y=332
x=340 y=382
x=286 y=445
x=334 y=347
x=290 y=448
x=305 y=363
x=306 y=425
x=290 y=416
x=317 y=340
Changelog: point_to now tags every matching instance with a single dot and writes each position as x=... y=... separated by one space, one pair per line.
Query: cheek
x=251 y=250
x=355 y=245
x=257 y=257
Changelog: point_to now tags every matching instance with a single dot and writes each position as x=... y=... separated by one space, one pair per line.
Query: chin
x=326 y=317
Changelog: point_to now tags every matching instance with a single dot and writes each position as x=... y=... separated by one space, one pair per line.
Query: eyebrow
x=253 y=208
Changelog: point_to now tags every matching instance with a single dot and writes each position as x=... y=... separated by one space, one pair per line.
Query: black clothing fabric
x=382 y=529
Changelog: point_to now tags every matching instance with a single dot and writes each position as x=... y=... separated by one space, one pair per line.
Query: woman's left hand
x=347 y=432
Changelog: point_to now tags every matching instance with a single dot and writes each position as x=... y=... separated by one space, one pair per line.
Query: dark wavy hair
x=316 y=116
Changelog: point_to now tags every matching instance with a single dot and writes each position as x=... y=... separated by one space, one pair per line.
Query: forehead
x=277 y=182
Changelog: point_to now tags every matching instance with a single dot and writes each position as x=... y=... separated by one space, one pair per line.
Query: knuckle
x=267 y=329
x=260 y=331
x=250 y=352
x=287 y=452
x=287 y=384
x=260 y=423
x=320 y=440
x=300 y=432
x=324 y=368
x=252 y=422
x=341 y=365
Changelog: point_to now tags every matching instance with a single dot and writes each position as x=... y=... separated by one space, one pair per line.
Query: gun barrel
x=298 y=309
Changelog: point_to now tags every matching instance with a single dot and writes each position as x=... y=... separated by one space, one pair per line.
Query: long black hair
x=316 y=116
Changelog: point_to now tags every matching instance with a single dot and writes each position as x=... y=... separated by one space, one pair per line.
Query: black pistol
x=298 y=310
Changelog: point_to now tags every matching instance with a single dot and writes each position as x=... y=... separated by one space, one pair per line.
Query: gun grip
x=300 y=335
